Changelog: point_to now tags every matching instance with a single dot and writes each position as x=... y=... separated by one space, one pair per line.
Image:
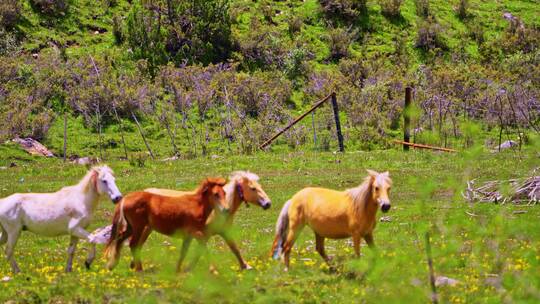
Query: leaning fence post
x=338 y=125
x=407 y=118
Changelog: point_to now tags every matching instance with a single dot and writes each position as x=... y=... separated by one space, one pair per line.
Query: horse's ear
x=386 y=173
x=204 y=186
x=372 y=173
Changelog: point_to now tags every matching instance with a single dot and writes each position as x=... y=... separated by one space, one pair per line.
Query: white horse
x=68 y=211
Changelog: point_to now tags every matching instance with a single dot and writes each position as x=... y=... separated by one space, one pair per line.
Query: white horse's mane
x=86 y=179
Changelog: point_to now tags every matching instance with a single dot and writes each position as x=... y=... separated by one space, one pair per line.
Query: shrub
x=51 y=7
x=262 y=48
x=430 y=35
x=462 y=9
x=476 y=32
x=180 y=31
x=10 y=11
x=8 y=42
x=296 y=63
x=422 y=8
x=118 y=29
x=346 y=10
x=295 y=24
x=339 y=40
x=391 y=8
x=519 y=37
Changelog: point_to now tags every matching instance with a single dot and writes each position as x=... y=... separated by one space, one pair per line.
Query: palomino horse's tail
x=119 y=226
x=282 y=227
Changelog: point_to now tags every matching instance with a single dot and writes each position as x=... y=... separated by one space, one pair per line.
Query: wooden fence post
x=65 y=135
x=338 y=125
x=407 y=118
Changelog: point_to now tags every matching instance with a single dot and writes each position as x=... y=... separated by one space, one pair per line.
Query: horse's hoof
x=247 y=267
x=87 y=264
x=286 y=269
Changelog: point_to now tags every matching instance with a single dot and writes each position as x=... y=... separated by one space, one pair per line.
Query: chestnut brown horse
x=139 y=213
x=333 y=214
x=243 y=186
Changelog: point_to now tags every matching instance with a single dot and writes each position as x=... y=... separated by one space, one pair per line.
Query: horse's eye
x=376 y=188
x=104 y=181
x=253 y=188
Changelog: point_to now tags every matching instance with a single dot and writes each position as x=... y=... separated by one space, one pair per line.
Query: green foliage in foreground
x=492 y=249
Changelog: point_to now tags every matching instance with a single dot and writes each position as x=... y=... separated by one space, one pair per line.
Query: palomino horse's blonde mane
x=244 y=174
x=360 y=194
x=230 y=187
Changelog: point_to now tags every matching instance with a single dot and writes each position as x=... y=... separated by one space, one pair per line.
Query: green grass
x=471 y=243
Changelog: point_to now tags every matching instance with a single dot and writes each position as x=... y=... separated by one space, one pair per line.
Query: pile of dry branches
x=517 y=191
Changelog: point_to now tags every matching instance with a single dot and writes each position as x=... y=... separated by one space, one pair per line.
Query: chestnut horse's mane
x=210 y=181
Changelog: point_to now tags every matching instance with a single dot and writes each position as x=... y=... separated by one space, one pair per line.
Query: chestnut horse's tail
x=282 y=228
x=119 y=233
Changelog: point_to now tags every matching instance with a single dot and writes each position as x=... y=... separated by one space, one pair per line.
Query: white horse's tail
x=119 y=226
x=282 y=228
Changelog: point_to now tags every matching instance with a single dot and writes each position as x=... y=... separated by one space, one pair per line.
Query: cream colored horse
x=333 y=214
x=242 y=187
x=68 y=211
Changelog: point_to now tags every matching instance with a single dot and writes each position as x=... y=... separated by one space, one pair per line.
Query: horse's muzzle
x=116 y=199
x=385 y=207
x=265 y=204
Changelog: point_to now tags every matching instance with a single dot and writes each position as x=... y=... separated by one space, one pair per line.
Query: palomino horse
x=68 y=211
x=333 y=214
x=141 y=212
x=242 y=187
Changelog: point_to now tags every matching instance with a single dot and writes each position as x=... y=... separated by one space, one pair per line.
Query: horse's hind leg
x=319 y=245
x=91 y=256
x=294 y=230
x=3 y=236
x=10 y=247
x=136 y=242
x=71 y=252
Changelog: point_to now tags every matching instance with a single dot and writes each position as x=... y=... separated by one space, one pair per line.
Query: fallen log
x=421 y=146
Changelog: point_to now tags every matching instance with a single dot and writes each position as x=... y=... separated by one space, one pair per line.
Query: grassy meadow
x=493 y=250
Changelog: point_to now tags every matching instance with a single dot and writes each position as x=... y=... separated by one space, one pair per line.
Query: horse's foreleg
x=79 y=232
x=356 y=244
x=183 y=252
x=10 y=247
x=91 y=256
x=369 y=240
x=232 y=245
x=71 y=252
x=319 y=245
x=203 y=248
